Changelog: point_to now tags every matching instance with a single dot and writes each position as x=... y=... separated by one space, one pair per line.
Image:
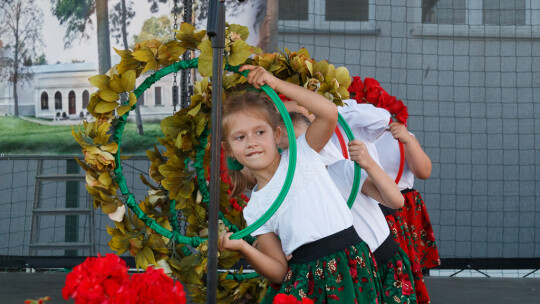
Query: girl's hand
x=400 y=132
x=258 y=77
x=225 y=243
x=359 y=153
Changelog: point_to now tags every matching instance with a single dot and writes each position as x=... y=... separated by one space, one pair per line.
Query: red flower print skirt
x=411 y=228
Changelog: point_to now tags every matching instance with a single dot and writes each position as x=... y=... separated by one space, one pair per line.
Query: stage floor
x=15 y=287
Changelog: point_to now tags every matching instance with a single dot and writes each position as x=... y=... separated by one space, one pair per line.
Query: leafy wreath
x=179 y=173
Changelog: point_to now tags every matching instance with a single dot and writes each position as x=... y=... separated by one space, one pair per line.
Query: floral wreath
x=175 y=184
x=370 y=91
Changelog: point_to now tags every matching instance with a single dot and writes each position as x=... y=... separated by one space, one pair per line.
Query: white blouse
x=313 y=208
x=389 y=157
x=366 y=121
x=368 y=219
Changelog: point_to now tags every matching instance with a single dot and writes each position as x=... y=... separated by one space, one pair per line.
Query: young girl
x=393 y=265
x=330 y=263
x=410 y=225
x=376 y=187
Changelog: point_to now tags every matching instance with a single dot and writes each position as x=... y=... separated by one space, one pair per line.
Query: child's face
x=251 y=140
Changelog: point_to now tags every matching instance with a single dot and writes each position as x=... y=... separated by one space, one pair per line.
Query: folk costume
x=367 y=124
x=330 y=262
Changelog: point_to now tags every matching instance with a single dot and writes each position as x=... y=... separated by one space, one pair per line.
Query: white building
x=63 y=91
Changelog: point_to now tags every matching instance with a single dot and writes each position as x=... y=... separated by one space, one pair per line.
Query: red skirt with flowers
x=397 y=280
x=411 y=227
x=348 y=276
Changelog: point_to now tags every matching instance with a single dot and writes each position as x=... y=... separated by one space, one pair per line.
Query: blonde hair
x=258 y=104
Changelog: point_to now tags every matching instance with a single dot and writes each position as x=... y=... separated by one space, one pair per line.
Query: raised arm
x=326 y=113
x=378 y=185
x=268 y=260
x=416 y=158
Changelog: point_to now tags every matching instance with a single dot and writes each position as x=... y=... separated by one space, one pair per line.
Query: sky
x=53 y=33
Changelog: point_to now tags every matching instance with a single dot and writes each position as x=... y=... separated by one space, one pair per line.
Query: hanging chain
x=175 y=84
x=187 y=87
x=186 y=81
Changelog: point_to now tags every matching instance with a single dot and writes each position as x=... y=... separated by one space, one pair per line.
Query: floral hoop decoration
x=176 y=182
x=370 y=91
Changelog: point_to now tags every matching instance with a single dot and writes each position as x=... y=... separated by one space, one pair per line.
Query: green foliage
x=155 y=28
x=19 y=136
x=75 y=16
x=179 y=172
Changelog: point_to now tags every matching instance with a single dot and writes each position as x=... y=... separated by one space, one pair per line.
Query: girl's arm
x=416 y=158
x=268 y=260
x=378 y=185
x=326 y=113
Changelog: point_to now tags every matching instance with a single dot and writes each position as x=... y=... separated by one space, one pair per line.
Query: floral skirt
x=347 y=276
x=411 y=228
x=397 y=280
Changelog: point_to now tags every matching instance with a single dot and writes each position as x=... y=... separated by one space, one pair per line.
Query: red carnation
x=396 y=106
x=386 y=101
x=105 y=280
x=370 y=82
x=402 y=116
x=357 y=89
x=373 y=94
x=96 y=279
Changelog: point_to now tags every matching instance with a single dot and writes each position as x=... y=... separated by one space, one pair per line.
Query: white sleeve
x=251 y=218
x=331 y=154
x=342 y=174
x=365 y=120
x=304 y=150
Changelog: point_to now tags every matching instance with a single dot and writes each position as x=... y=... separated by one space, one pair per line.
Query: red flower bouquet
x=370 y=91
x=106 y=280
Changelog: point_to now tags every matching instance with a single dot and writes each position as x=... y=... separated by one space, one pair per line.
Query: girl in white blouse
x=330 y=263
x=367 y=123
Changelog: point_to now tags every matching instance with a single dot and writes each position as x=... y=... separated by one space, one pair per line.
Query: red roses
x=370 y=91
x=106 y=280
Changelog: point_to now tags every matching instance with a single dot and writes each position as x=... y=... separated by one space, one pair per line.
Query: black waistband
x=325 y=246
x=407 y=190
x=386 y=250
x=389 y=211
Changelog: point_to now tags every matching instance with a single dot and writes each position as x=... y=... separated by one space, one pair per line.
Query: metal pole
x=216 y=32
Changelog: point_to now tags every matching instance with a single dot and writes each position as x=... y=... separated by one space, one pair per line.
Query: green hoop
x=196 y=241
x=131 y=202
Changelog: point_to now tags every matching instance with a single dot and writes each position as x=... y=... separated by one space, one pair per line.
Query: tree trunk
x=138 y=119
x=16 y=62
x=268 y=33
x=104 y=45
x=15 y=96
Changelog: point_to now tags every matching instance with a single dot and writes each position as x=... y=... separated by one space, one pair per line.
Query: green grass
x=18 y=137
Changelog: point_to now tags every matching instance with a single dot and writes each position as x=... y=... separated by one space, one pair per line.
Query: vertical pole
x=216 y=32
x=34 y=232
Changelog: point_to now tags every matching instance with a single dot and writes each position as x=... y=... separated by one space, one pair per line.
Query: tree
x=75 y=16
x=269 y=28
x=41 y=60
x=20 y=30
x=155 y=28
x=120 y=19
